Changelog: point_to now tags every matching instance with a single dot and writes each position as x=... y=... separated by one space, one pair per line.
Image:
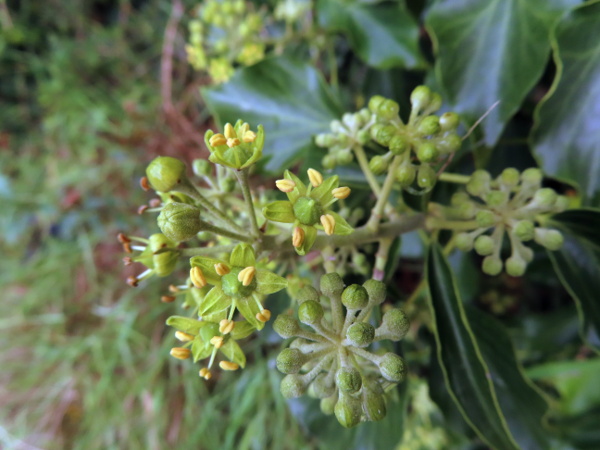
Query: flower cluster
x=238 y=147
x=332 y=362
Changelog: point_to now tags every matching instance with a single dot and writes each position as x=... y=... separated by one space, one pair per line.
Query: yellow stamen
x=181 y=352
x=244 y=128
x=217 y=140
x=249 y=136
x=197 y=277
x=328 y=222
x=205 y=373
x=217 y=341
x=229 y=131
x=233 y=142
x=298 y=237
x=184 y=337
x=246 y=275
x=285 y=185
x=221 y=269
x=315 y=177
x=226 y=326
x=263 y=316
x=341 y=192
x=228 y=365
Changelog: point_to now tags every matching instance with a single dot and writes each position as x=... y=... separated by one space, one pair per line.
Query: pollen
x=221 y=269
x=197 y=277
x=247 y=275
x=228 y=365
x=341 y=192
x=328 y=222
x=181 y=352
x=217 y=140
x=217 y=341
x=315 y=177
x=263 y=316
x=285 y=185
x=233 y=142
x=249 y=136
x=184 y=337
x=226 y=326
x=229 y=131
x=205 y=373
x=298 y=237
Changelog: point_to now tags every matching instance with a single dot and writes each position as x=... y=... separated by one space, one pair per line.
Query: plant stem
x=204 y=251
x=436 y=223
x=242 y=176
x=454 y=178
x=223 y=232
x=381 y=258
x=361 y=157
x=385 y=192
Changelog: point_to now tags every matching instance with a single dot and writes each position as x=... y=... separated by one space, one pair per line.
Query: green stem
x=226 y=233
x=361 y=157
x=205 y=251
x=438 y=224
x=381 y=258
x=242 y=176
x=333 y=70
x=384 y=194
x=454 y=178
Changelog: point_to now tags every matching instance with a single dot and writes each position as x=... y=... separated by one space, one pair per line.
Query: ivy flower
x=238 y=147
x=308 y=208
x=237 y=285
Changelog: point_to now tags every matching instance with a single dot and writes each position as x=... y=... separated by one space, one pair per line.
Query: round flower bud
x=355 y=297
x=485 y=218
x=286 y=326
x=360 y=334
x=328 y=404
x=325 y=140
x=179 y=221
x=562 y=203
x=406 y=174
x=376 y=290
x=492 y=265
x=515 y=266
x=509 y=177
x=375 y=129
x=307 y=210
x=464 y=242
x=323 y=386
x=545 y=197
x=532 y=176
x=388 y=109
x=290 y=360
x=165 y=173
x=385 y=135
x=435 y=103
x=227 y=184
x=479 y=183
x=363 y=136
x=337 y=127
x=307 y=293
x=348 y=379
x=310 y=312
x=420 y=97
x=332 y=285
x=449 y=121
x=344 y=157
x=449 y=144
x=328 y=162
x=399 y=144
x=395 y=323
x=392 y=367
x=373 y=404
x=426 y=176
x=375 y=102
x=484 y=245
x=551 y=239
x=427 y=152
x=378 y=164
x=292 y=386
x=524 y=230
x=164 y=263
x=496 y=198
x=429 y=125
x=201 y=167
x=348 y=411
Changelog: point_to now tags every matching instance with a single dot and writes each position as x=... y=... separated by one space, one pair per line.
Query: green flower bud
x=163 y=263
x=562 y=203
x=179 y=221
x=292 y=386
x=310 y=312
x=376 y=290
x=515 y=266
x=496 y=198
x=449 y=121
x=344 y=157
x=307 y=293
x=485 y=218
x=348 y=411
x=385 y=135
x=375 y=102
x=348 y=379
x=429 y=125
x=201 y=167
x=426 y=176
x=492 y=265
x=460 y=198
x=449 y=144
x=392 y=367
x=524 y=230
x=509 y=177
x=464 y=242
x=427 y=152
x=388 y=109
x=363 y=137
x=479 y=183
x=532 y=177
x=361 y=334
x=165 y=173
x=373 y=404
x=286 y=326
x=375 y=129
x=484 y=245
x=337 y=127
x=420 y=97
x=290 y=360
x=323 y=386
x=378 y=164
x=551 y=239
x=307 y=211
x=399 y=144
x=325 y=140
x=355 y=297
x=328 y=162
x=328 y=404
x=406 y=174
x=435 y=103
x=332 y=285
x=545 y=197
x=395 y=324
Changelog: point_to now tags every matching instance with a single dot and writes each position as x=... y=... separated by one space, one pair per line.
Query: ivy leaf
x=583 y=223
x=489 y=51
x=289 y=98
x=384 y=34
x=567 y=131
x=465 y=371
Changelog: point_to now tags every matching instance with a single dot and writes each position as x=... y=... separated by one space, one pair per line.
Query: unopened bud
x=376 y=290
x=524 y=230
x=420 y=97
x=165 y=173
x=310 y=312
x=406 y=174
x=392 y=367
x=378 y=164
x=180 y=221
x=509 y=177
x=395 y=323
x=332 y=285
x=551 y=239
x=375 y=102
x=361 y=334
x=355 y=297
x=348 y=379
x=545 y=197
x=484 y=245
x=348 y=411
x=495 y=199
x=515 y=266
x=286 y=326
x=427 y=152
x=492 y=265
x=290 y=360
x=532 y=177
x=485 y=218
x=426 y=176
x=399 y=144
x=201 y=167
x=373 y=404
x=429 y=125
x=464 y=242
x=449 y=121
x=307 y=293
x=388 y=109
x=292 y=386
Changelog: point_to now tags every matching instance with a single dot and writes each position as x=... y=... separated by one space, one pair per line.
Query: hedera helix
x=242 y=242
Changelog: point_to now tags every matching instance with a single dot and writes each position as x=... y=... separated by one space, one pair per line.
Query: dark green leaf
x=567 y=133
x=384 y=35
x=491 y=51
x=466 y=374
x=289 y=98
x=583 y=223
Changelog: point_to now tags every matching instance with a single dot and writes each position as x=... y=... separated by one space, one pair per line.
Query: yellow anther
x=246 y=275
x=263 y=316
x=341 y=192
x=315 y=177
x=184 y=337
x=217 y=139
x=229 y=131
x=217 y=341
x=221 y=269
x=228 y=365
x=181 y=352
x=285 y=185
x=328 y=222
x=226 y=326
x=249 y=136
x=233 y=142
x=205 y=373
x=197 y=277
x=244 y=128
x=298 y=237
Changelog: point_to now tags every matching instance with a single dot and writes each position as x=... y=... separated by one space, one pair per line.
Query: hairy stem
x=242 y=176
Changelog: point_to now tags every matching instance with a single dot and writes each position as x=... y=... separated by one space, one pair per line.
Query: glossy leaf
x=582 y=223
x=465 y=371
x=567 y=133
x=383 y=34
x=289 y=98
x=489 y=51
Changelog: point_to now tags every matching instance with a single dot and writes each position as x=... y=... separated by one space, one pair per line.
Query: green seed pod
x=524 y=230
x=348 y=411
x=449 y=144
x=392 y=367
x=307 y=211
x=515 y=266
x=426 y=176
x=496 y=198
x=361 y=334
x=545 y=197
x=376 y=290
x=180 y=221
x=388 y=109
x=201 y=167
x=464 y=242
x=429 y=125
x=427 y=152
x=378 y=164
x=551 y=239
x=485 y=218
x=332 y=285
x=509 y=177
x=348 y=380
x=420 y=97
x=307 y=293
x=399 y=144
x=286 y=326
x=325 y=140
x=292 y=386
x=449 y=121
x=484 y=245
x=532 y=177
x=310 y=312
x=328 y=404
x=344 y=157
x=165 y=173
x=492 y=265
x=355 y=297
x=290 y=360
x=323 y=386
x=375 y=102
x=373 y=404
x=395 y=324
